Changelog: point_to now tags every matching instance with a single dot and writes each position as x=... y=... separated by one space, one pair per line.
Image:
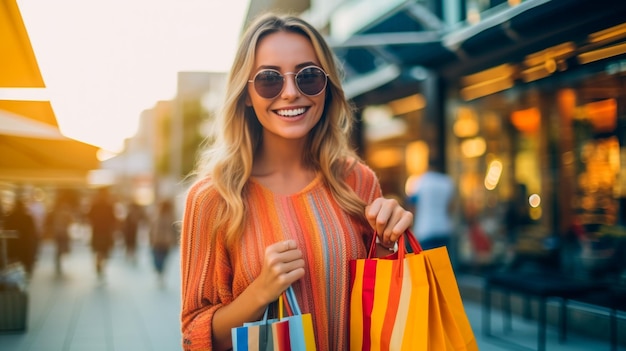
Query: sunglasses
x=310 y=80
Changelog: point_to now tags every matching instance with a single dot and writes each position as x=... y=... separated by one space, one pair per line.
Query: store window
x=596 y=219
x=395 y=138
x=493 y=148
x=540 y=172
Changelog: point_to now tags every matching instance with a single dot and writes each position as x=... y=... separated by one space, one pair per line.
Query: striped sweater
x=213 y=275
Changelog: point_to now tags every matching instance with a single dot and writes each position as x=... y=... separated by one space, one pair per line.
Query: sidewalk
x=129 y=311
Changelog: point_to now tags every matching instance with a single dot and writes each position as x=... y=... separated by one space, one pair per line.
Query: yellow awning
x=18 y=65
x=40 y=111
x=34 y=150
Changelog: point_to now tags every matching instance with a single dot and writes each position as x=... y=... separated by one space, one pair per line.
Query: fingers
x=288 y=245
x=283 y=265
x=388 y=219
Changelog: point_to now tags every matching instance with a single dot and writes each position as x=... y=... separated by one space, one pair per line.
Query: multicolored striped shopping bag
x=293 y=331
x=398 y=302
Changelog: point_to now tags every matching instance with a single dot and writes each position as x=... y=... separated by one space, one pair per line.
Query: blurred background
x=522 y=103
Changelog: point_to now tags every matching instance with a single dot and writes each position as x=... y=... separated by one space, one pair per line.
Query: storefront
x=526 y=110
x=540 y=165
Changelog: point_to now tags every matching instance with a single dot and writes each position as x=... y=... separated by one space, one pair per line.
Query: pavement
x=131 y=310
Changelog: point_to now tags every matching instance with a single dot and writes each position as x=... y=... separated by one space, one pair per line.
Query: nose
x=290 y=91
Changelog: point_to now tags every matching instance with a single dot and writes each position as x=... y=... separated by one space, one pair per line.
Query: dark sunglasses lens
x=311 y=80
x=268 y=84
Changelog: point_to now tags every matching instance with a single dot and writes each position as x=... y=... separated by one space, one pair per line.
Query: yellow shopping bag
x=401 y=302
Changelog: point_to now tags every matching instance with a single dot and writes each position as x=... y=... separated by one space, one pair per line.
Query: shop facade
x=525 y=109
x=544 y=160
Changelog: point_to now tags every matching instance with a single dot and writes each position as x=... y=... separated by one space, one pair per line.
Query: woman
x=280 y=198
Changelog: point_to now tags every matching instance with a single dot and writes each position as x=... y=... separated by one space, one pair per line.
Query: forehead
x=284 y=50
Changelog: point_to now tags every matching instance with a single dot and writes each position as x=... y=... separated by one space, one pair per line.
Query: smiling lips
x=291 y=112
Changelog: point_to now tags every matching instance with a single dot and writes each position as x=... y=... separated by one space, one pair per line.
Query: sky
x=104 y=62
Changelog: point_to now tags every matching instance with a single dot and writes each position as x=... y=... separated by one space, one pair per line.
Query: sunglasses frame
x=284 y=75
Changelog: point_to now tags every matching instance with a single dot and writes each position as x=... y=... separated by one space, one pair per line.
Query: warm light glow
x=534 y=200
x=551 y=53
x=566 y=102
x=104 y=63
x=416 y=157
x=486 y=88
x=600 y=54
x=408 y=104
x=494 y=73
x=603 y=115
x=466 y=124
x=492 y=178
x=540 y=71
x=386 y=158
x=411 y=184
x=535 y=213
x=526 y=121
x=615 y=32
x=473 y=147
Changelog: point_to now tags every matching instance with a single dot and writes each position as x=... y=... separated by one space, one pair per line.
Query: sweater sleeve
x=205 y=268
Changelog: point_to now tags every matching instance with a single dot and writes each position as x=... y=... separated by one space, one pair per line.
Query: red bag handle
x=402 y=251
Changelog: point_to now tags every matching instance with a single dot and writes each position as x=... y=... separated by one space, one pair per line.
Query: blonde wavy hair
x=228 y=159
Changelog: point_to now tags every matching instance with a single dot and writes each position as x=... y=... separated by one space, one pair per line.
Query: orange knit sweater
x=213 y=275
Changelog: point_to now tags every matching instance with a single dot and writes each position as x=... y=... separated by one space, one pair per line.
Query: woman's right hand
x=283 y=264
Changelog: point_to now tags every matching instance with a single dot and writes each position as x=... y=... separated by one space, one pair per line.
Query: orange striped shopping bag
x=397 y=302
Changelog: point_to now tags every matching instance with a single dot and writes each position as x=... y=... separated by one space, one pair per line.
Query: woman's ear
x=247 y=101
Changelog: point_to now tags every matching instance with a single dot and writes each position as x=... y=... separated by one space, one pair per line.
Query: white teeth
x=291 y=113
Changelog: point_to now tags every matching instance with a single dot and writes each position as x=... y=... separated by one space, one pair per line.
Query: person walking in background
x=433 y=199
x=60 y=218
x=134 y=216
x=281 y=198
x=162 y=237
x=37 y=210
x=103 y=224
x=22 y=249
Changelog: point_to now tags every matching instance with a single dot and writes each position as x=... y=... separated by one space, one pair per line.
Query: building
x=157 y=158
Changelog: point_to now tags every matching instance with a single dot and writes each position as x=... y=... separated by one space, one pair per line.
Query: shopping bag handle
x=287 y=300
x=402 y=245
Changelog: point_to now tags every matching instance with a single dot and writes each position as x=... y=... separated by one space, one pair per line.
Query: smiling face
x=291 y=114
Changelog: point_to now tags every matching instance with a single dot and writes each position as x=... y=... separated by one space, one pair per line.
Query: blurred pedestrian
x=134 y=216
x=281 y=197
x=103 y=225
x=59 y=221
x=433 y=198
x=162 y=237
x=517 y=215
x=22 y=249
x=37 y=209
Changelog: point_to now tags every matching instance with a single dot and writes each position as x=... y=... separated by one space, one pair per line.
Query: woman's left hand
x=388 y=219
